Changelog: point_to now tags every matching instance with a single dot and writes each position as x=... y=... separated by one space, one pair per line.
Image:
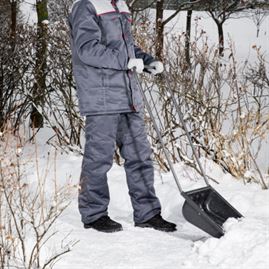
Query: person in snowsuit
x=104 y=58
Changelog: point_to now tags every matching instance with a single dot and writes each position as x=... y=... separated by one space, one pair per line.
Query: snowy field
x=245 y=244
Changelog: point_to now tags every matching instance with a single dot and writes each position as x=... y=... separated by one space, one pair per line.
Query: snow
x=28 y=10
x=241 y=247
x=46 y=22
x=245 y=244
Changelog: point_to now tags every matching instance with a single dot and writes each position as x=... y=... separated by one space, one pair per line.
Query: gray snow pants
x=103 y=132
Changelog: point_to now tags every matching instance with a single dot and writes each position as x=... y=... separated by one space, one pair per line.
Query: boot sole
x=104 y=231
x=146 y=225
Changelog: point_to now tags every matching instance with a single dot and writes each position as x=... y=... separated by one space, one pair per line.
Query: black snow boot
x=158 y=223
x=104 y=224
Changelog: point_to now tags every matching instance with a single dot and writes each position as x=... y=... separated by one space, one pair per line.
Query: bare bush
x=225 y=106
x=15 y=66
x=17 y=83
x=61 y=106
x=28 y=211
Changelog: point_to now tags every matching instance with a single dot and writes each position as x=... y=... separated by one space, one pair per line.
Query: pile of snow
x=244 y=245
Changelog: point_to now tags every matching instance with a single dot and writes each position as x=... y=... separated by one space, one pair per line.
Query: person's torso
x=105 y=90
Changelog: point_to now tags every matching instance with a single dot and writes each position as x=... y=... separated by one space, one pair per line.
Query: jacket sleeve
x=86 y=39
x=139 y=53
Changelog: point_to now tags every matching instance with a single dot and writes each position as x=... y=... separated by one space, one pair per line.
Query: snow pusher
x=205 y=208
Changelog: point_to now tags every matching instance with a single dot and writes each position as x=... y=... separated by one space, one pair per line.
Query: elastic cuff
x=148 y=216
x=90 y=219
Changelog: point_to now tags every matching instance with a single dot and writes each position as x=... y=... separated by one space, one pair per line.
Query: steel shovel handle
x=181 y=118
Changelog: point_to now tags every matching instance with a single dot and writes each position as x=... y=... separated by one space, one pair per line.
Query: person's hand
x=156 y=67
x=137 y=64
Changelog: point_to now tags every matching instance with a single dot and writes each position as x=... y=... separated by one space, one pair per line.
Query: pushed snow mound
x=245 y=245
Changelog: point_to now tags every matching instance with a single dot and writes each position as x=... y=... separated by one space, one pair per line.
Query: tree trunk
x=13 y=26
x=221 y=38
x=1 y=99
x=188 y=37
x=39 y=89
x=159 y=30
x=258 y=30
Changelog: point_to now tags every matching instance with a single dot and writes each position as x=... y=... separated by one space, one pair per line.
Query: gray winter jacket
x=102 y=44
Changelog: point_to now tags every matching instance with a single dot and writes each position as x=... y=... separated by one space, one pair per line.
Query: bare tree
x=136 y=6
x=221 y=11
x=14 y=9
x=4 y=19
x=188 y=37
x=39 y=88
x=258 y=16
x=159 y=29
x=160 y=22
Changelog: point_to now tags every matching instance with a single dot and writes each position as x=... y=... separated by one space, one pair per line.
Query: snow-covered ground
x=245 y=244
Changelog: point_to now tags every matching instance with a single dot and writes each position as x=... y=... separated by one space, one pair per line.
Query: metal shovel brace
x=204 y=207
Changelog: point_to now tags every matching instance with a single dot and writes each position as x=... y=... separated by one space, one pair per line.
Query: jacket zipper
x=126 y=47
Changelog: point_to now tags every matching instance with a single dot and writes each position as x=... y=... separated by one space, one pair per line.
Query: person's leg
x=136 y=150
x=100 y=134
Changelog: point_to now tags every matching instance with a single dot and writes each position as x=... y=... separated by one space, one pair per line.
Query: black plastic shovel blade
x=208 y=210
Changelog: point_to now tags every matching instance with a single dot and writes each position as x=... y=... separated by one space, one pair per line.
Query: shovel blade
x=208 y=210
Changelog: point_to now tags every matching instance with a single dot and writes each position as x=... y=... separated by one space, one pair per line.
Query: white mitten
x=137 y=64
x=156 y=67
